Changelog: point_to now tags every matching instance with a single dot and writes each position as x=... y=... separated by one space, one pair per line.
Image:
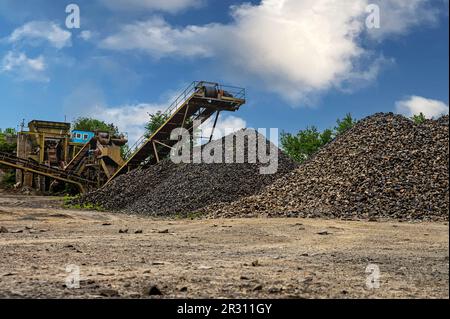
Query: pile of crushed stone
x=169 y=189
x=385 y=167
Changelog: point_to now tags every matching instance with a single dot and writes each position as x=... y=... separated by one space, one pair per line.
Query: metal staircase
x=78 y=158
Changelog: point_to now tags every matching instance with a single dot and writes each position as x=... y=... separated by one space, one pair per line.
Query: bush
x=4 y=145
x=8 y=178
x=419 y=118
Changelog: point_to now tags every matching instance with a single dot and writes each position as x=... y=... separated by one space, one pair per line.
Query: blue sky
x=303 y=62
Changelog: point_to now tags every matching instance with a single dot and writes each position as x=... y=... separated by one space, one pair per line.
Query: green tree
x=124 y=151
x=344 y=125
x=155 y=122
x=8 y=145
x=92 y=125
x=419 y=118
x=5 y=145
x=9 y=131
x=307 y=142
x=326 y=136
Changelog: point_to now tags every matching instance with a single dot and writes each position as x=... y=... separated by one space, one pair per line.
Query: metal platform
x=198 y=102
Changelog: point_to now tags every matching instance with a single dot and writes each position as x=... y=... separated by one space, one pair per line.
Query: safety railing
x=133 y=149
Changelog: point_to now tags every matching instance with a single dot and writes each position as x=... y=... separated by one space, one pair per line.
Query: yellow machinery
x=47 y=154
x=98 y=159
x=45 y=143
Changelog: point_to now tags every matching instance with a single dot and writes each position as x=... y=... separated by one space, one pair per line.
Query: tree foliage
x=8 y=144
x=308 y=141
x=344 y=125
x=155 y=122
x=8 y=131
x=301 y=146
x=92 y=125
x=326 y=137
x=5 y=145
x=419 y=118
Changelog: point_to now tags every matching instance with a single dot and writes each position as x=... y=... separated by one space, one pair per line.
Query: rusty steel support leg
x=41 y=148
x=156 y=152
x=165 y=145
x=214 y=127
x=185 y=115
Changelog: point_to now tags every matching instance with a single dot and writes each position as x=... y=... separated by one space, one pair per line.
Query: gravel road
x=121 y=256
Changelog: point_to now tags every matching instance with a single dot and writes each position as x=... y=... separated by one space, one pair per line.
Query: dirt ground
x=120 y=256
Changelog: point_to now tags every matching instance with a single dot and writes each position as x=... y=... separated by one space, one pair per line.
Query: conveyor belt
x=199 y=101
x=43 y=170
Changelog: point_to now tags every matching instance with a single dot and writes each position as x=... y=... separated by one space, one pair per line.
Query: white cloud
x=415 y=105
x=159 y=39
x=296 y=48
x=24 y=68
x=36 y=32
x=399 y=16
x=171 y=6
x=13 y=60
x=130 y=119
x=86 y=35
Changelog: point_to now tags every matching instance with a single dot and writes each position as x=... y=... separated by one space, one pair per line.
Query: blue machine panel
x=81 y=137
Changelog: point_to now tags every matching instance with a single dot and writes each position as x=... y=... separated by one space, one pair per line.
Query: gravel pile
x=169 y=189
x=385 y=167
